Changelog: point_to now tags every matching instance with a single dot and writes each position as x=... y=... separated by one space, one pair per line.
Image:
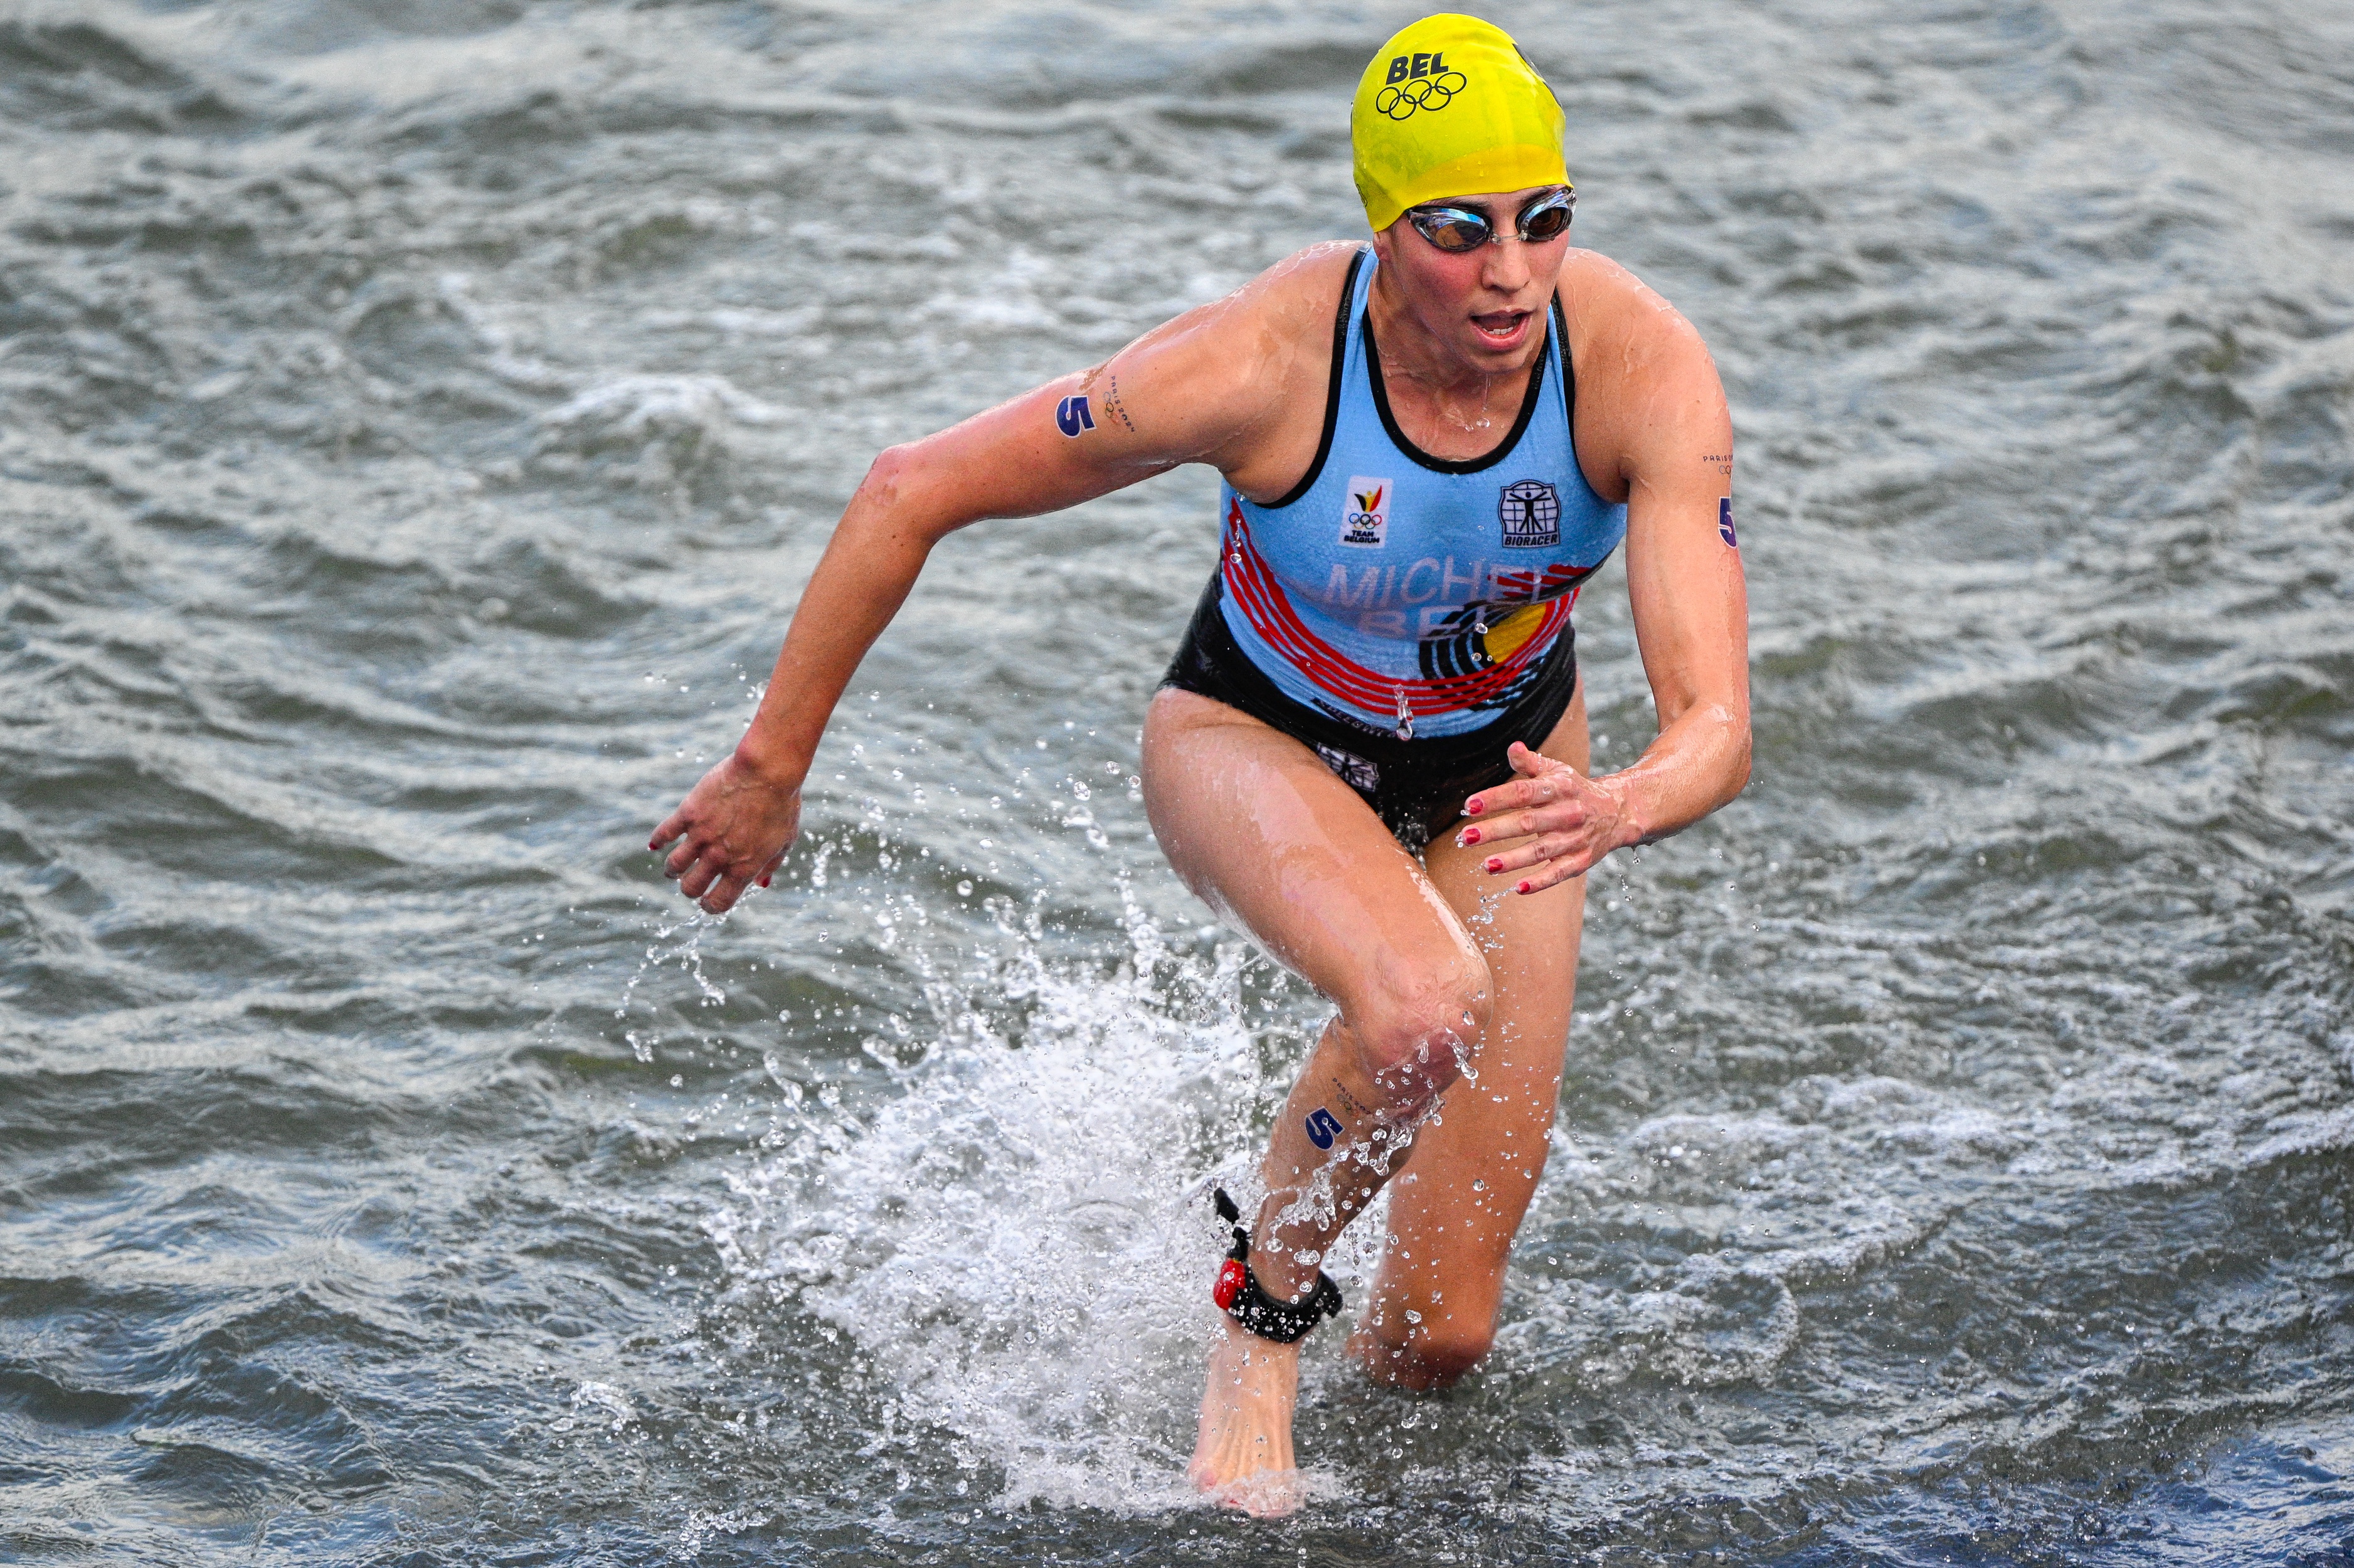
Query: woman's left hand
x=1550 y=825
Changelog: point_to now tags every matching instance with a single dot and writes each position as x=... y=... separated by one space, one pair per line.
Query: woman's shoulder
x=1647 y=387
x=1235 y=381
x=1286 y=308
x=1295 y=300
x=1611 y=309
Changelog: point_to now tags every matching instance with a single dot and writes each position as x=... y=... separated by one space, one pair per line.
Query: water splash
x=1012 y=1240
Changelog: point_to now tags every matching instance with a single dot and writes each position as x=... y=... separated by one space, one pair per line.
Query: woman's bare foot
x=1243 y=1455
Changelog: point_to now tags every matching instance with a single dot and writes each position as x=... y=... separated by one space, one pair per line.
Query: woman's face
x=1484 y=307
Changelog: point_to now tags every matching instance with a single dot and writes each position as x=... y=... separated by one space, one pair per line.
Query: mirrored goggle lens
x=1452 y=229
x=1547 y=220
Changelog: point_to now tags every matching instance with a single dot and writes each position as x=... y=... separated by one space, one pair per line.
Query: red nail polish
x=1475 y=807
x=1495 y=864
x=1524 y=887
x=1470 y=835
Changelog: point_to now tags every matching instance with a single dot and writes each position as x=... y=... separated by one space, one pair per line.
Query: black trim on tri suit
x=1569 y=393
x=1416 y=787
x=1333 y=385
x=1454 y=465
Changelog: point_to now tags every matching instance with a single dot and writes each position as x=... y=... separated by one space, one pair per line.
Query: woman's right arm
x=1204 y=387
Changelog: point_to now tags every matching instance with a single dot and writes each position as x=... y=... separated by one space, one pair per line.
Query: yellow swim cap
x=1451 y=106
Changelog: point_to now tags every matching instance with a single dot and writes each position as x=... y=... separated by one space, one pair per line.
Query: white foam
x=600 y=1404
x=455 y=291
x=641 y=406
x=1015 y=1241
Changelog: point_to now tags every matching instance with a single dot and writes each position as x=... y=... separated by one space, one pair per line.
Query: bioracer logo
x=1365 y=513
x=1530 y=511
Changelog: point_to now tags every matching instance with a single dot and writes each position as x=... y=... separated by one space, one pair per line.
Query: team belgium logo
x=1365 y=517
x=1417 y=81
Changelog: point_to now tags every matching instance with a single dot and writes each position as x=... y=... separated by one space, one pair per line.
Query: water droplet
x=964 y=890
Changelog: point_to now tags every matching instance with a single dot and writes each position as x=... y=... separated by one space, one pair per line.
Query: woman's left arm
x=1668 y=422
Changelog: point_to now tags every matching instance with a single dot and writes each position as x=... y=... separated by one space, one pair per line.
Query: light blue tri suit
x=1393 y=601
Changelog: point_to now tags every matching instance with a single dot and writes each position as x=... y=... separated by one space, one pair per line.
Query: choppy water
x=416 y=421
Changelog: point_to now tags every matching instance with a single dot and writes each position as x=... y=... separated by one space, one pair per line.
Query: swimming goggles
x=1461 y=228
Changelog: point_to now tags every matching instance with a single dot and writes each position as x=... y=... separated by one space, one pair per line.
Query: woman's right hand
x=731 y=830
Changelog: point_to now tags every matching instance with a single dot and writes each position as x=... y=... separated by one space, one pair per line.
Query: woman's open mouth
x=1502 y=328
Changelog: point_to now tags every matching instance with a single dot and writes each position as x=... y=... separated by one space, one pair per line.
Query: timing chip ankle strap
x=1239 y=1293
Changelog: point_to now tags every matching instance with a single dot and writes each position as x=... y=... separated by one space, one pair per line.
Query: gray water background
x=415 y=423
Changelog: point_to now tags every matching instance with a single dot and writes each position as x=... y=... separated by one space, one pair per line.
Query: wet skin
x=1257 y=823
x=1453 y=974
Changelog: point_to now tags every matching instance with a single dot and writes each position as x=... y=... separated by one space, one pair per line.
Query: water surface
x=416 y=424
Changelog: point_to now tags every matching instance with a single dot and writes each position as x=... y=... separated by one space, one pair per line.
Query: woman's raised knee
x=1449 y=1351
x=1414 y=1029
x=1430 y=1355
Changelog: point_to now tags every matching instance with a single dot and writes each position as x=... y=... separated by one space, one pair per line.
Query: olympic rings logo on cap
x=1432 y=93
